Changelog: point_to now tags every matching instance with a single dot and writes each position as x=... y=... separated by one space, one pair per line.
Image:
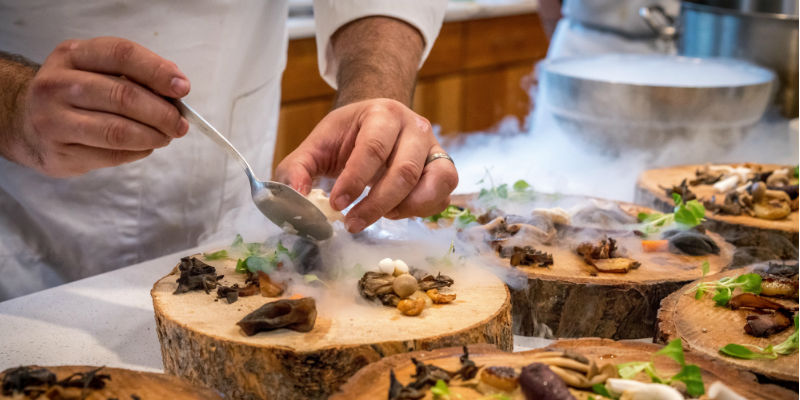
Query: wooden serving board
x=705 y=328
x=761 y=239
x=201 y=341
x=572 y=299
x=372 y=381
x=146 y=385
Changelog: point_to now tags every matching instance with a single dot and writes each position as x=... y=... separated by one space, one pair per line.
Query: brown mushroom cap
x=405 y=285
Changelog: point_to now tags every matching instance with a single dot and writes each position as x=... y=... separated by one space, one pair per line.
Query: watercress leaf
x=693 y=378
x=739 y=351
x=254 y=248
x=502 y=191
x=440 y=389
x=631 y=369
x=685 y=217
x=217 y=255
x=722 y=295
x=705 y=267
x=749 y=283
x=697 y=209
x=521 y=185
x=258 y=263
x=483 y=193
x=789 y=345
x=676 y=198
x=240 y=266
x=601 y=389
x=673 y=350
x=699 y=293
x=238 y=241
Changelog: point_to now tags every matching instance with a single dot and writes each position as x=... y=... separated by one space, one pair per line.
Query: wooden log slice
x=705 y=328
x=372 y=381
x=201 y=341
x=124 y=384
x=756 y=239
x=572 y=299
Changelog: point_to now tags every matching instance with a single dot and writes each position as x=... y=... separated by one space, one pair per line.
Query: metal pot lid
x=778 y=9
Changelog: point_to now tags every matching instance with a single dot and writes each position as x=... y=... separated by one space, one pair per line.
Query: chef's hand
x=381 y=143
x=96 y=103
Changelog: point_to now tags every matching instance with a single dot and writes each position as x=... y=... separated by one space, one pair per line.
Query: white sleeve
x=330 y=15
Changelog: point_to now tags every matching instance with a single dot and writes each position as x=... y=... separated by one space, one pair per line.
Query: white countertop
x=303 y=26
x=106 y=320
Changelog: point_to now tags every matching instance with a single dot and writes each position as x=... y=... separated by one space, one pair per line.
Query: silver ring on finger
x=435 y=156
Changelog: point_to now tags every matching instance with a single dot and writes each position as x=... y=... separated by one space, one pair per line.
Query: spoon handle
x=197 y=120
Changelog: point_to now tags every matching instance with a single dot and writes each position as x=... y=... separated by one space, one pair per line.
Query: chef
x=99 y=171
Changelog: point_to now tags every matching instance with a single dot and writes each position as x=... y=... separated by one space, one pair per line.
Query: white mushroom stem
x=726 y=184
x=635 y=390
x=565 y=363
x=718 y=391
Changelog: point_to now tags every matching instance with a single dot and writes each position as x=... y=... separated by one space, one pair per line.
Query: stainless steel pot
x=764 y=32
x=620 y=101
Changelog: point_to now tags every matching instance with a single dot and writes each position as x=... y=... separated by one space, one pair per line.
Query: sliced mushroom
x=772 y=209
x=503 y=378
x=268 y=287
x=440 y=298
x=298 y=315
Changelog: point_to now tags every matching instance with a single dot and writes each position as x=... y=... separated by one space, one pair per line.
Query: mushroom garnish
x=440 y=298
x=404 y=285
x=411 y=307
x=298 y=315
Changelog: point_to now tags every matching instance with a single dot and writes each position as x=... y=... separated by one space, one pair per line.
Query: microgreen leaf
x=673 y=350
x=601 y=389
x=722 y=296
x=502 y=191
x=692 y=377
x=749 y=283
x=440 y=390
x=789 y=345
x=238 y=241
x=705 y=267
x=743 y=352
x=217 y=255
x=521 y=185
x=631 y=369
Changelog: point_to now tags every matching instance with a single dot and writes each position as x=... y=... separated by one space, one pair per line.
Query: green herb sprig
x=723 y=288
x=256 y=257
x=460 y=216
x=751 y=352
x=689 y=374
x=688 y=214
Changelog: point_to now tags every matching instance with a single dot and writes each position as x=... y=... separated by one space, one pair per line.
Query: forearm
x=15 y=74
x=377 y=57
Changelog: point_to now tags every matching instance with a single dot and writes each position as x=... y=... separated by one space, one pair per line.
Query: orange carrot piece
x=652 y=246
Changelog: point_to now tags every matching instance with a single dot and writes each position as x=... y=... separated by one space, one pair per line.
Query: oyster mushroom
x=779 y=177
x=298 y=315
x=378 y=286
x=772 y=208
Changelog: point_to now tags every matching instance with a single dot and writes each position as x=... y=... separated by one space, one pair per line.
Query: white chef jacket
x=593 y=27
x=234 y=52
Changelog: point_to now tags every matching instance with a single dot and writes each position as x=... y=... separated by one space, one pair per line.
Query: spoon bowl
x=281 y=204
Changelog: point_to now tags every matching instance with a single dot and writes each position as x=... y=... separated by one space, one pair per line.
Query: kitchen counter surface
x=302 y=26
x=106 y=320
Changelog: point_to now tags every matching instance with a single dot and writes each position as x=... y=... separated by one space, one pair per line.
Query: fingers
x=373 y=146
x=296 y=170
x=77 y=159
x=401 y=176
x=109 y=131
x=125 y=98
x=432 y=194
x=115 y=56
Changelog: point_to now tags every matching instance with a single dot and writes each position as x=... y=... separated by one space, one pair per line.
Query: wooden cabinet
x=478 y=72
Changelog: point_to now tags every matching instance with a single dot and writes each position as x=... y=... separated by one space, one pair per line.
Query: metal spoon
x=278 y=202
